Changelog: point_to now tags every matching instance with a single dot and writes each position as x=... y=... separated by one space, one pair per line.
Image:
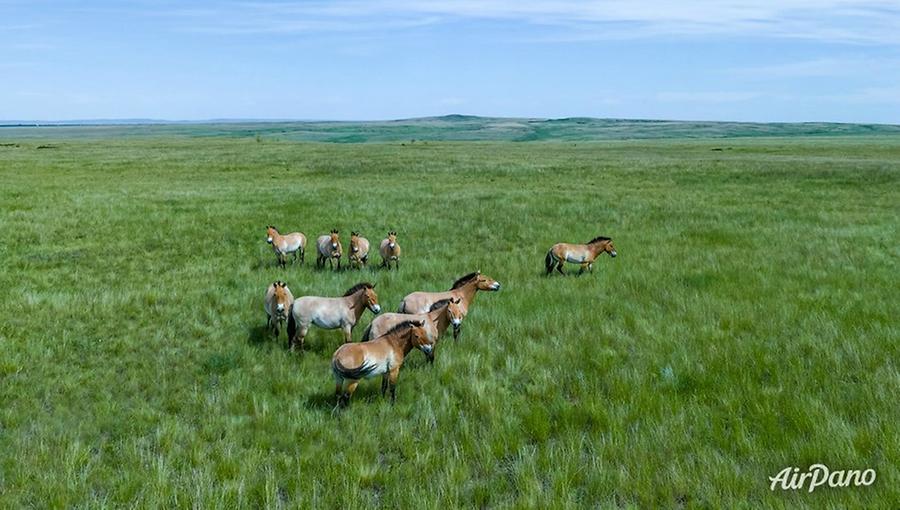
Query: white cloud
x=706 y=97
x=854 y=21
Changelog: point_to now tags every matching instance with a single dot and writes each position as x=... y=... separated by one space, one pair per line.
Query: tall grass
x=748 y=324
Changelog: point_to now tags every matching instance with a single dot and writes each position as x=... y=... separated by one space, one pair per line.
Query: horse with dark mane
x=583 y=254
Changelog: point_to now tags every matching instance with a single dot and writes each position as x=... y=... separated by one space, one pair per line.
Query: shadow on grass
x=365 y=395
x=260 y=336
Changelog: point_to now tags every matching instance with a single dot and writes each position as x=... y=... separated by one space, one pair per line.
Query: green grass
x=748 y=324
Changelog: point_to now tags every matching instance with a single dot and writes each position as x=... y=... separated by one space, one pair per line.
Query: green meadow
x=749 y=323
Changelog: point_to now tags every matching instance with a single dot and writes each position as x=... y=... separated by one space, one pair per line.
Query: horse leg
x=338 y=391
x=303 y=330
x=392 y=377
x=397 y=264
x=559 y=267
x=350 y=389
x=348 y=329
x=591 y=267
x=384 y=385
x=583 y=267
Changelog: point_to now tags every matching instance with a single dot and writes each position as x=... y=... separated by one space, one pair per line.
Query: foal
x=331 y=313
x=330 y=249
x=294 y=243
x=583 y=254
x=390 y=251
x=383 y=356
x=359 y=250
x=278 y=305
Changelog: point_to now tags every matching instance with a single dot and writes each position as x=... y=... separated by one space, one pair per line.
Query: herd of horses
x=420 y=321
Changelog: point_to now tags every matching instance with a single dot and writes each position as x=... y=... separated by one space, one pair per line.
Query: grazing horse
x=583 y=254
x=359 y=250
x=383 y=356
x=439 y=317
x=463 y=288
x=329 y=248
x=294 y=243
x=331 y=313
x=278 y=305
x=390 y=251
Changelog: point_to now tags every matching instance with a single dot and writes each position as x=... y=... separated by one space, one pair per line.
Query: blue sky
x=744 y=60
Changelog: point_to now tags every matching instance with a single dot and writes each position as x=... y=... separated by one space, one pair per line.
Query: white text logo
x=790 y=478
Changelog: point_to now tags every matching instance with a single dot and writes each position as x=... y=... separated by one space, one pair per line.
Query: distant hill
x=446 y=128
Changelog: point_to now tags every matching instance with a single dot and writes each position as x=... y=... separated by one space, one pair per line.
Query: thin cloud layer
x=852 y=21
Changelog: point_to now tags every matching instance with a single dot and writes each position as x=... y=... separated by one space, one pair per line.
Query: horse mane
x=356 y=288
x=399 y=328
x=464 y=280
x=439 y=304
x=598 y=239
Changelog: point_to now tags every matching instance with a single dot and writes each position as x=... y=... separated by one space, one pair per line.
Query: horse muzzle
x=612 y=254
x=376 y=309
x=495 y=286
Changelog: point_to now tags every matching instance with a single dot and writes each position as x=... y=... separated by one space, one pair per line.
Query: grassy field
x=449 y=128
x=748 y=324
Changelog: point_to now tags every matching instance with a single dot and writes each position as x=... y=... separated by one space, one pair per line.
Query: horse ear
x=373 y=285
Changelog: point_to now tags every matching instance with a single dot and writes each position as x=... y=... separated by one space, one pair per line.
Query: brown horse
x=442 y=314
x=278 y=305
x=390 y=251
x=294 y=243
x=331 y=313
x=463 y=288
x=359 y=250
x=383 y=356
x=583 y=254
x=329 y=248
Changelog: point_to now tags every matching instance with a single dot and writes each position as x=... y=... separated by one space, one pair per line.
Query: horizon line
x=139 y=121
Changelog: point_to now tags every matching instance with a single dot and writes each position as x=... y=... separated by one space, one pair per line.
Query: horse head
x=282 y=301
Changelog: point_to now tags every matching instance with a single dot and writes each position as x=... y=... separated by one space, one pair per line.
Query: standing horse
x=583 y=254
x=383 y=356
x=278 y=305
x=331 y=313
x=390 y=251
x=329 y=248
x=359 y=250
x=463 y=288
x=294 y=243
x=439 y=317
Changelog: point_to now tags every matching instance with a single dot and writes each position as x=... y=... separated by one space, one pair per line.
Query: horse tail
x=292 y=324
x=367 y=333
x=548 y=261
x=360 y=372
